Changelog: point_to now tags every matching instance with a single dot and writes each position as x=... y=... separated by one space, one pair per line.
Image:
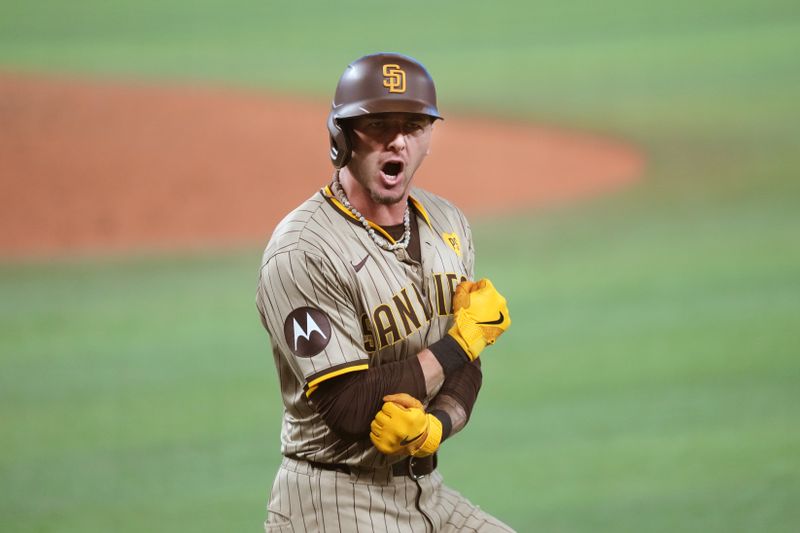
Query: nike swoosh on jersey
x=360 y=265
x=494 y=322
x=407 y=441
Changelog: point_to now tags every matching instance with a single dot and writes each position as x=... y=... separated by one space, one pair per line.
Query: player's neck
x=359 y=197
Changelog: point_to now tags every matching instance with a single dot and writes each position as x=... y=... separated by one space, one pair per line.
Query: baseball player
x=376 y=324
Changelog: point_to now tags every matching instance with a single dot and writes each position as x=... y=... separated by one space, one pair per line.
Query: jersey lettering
x=387 y=317
x=406 y=311
x=366 y=331
x=443 y=310
x=386 y=325
x=451 y=283
x=445 y=291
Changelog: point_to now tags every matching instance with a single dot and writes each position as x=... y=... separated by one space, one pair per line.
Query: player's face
x=387 y=150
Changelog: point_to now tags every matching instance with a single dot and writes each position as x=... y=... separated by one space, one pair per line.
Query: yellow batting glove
x=403 y=426
x=480 y=316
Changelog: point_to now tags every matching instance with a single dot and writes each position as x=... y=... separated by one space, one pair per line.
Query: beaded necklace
x=402 y=244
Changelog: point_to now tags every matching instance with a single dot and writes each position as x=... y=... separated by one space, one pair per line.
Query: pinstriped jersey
x=334 y=302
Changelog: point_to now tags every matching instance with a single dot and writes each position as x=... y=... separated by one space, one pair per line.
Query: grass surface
x=136 y=396
x=650 y=381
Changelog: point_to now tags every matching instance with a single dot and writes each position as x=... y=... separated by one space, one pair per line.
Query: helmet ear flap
x=340 y=143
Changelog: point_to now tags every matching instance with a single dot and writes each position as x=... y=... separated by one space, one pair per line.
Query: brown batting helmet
x=378 y=83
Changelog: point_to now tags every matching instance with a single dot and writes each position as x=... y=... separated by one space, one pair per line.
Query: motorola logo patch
x=307 y=331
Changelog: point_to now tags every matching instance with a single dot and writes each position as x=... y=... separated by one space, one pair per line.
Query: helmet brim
x=385 y=105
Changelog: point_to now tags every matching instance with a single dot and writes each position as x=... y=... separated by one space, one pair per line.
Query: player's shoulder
x=438 y=208
x=305 y=230
x=428 y=198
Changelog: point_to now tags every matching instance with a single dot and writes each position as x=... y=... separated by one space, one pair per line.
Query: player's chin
x=389 y=195
x=387 y=198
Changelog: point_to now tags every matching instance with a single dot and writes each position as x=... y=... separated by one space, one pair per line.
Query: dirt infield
x=96 y=166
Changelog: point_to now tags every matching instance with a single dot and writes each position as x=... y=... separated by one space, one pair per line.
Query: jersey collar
x=416 y=205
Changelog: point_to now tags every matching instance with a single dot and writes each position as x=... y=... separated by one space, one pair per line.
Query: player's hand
x=480 y=316
x=402 y=425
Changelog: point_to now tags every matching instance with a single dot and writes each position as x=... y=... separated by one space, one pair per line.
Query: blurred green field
x=652 y=379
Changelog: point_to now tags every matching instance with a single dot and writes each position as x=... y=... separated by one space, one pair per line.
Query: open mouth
x=392 y=168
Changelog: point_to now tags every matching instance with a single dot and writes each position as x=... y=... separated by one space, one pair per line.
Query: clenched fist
x=481 y=316
x=402 y=425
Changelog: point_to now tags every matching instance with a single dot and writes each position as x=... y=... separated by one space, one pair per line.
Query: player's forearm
x=432 y=370
x=458 y=395
x=349 y=402
x=441 y=360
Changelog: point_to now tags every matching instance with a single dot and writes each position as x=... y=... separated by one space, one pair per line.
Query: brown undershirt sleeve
x=454 y=402
x=349 y=402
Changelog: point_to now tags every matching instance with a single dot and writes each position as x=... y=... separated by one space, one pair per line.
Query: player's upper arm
x=310 y=313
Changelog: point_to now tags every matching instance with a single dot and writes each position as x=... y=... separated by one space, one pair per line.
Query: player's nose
x=396 y=140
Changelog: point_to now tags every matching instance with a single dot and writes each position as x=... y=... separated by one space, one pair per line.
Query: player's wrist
x=450 y=354
x=432 y=438
x=444 y=418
